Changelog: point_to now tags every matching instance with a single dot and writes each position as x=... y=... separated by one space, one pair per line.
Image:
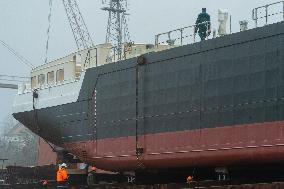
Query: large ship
x=214 y=103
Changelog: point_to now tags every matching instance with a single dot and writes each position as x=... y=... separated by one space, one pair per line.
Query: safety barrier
x=187 y=35
x=180 y=36
x=266 y=11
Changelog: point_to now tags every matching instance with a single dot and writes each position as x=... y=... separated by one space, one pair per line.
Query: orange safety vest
x=61 y=175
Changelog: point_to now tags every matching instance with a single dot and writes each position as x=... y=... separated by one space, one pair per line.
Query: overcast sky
x=23 y=25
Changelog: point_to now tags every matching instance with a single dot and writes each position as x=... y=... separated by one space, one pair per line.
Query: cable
x=11 y=80
x=48 y=30
x=20 y=57
x=13 y=76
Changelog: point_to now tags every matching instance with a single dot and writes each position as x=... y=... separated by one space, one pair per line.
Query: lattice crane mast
x=117 y=29
x=80 y=31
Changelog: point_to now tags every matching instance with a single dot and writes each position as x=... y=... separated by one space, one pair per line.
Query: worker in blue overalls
x=203 y=25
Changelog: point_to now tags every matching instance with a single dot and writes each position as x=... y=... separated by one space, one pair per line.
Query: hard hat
x=63 y=165
x=44 y=182
x=189 y=179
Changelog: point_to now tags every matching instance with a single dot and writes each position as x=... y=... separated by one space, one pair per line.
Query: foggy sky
x=23 y=25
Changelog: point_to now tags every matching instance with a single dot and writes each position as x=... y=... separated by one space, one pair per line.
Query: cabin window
x=50 y=77
x=41 y=79
x=60 y=75
x=33 y=82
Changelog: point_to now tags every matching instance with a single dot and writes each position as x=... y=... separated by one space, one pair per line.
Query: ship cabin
x=69 y=68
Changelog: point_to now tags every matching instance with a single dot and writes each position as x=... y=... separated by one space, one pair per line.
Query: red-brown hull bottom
x=232 y=145
x=46 y=156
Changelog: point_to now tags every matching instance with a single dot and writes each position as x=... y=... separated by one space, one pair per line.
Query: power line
x=8 y=86
x=8 y=81
x=20 y=57
x=13 y=76
x=13 y=80
x=10 y=78
x=48 y=30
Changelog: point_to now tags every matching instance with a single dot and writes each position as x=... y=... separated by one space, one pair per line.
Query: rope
x=48 y=30
x=20 y=57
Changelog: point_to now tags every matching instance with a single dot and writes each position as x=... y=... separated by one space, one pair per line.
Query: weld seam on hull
x=66 y=115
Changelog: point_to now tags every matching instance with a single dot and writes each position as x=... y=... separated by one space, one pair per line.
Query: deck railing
x=186 y=35
x=267 y=11
x=180 y=36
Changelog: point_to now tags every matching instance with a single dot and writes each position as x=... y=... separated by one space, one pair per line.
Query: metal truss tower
x=77 y=24
x=117 y=29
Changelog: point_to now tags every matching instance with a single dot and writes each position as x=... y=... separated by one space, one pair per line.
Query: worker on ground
x=203 y=25
x=189 y=180
x=90 y=178
x=62 y=175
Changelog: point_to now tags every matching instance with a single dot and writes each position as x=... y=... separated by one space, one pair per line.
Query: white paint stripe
x=169 y=152
x=120 y=156
x=153 y=154
x=252 y=146
x=238 y=147
x=65 y=115
x=212 y=150
x=225 y=148
x=126 y=155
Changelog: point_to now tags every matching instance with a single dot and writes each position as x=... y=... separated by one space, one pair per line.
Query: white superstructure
x=59 y=82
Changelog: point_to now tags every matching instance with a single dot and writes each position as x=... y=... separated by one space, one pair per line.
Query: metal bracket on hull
x=141 y=60
x=35 y=113
x=139 y=151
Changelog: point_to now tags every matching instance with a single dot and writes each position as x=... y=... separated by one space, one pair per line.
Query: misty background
x=23 y=26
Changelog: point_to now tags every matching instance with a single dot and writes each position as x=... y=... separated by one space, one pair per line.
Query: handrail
x=269 y=4
x=255 y=12
x=52 y=65
x=181 y=34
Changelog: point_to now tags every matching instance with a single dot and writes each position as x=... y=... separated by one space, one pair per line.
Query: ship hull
x=219 y=102
x=228 y=146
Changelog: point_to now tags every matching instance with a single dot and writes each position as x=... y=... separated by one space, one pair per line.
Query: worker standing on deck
x=203 y=25
x=62 y=176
